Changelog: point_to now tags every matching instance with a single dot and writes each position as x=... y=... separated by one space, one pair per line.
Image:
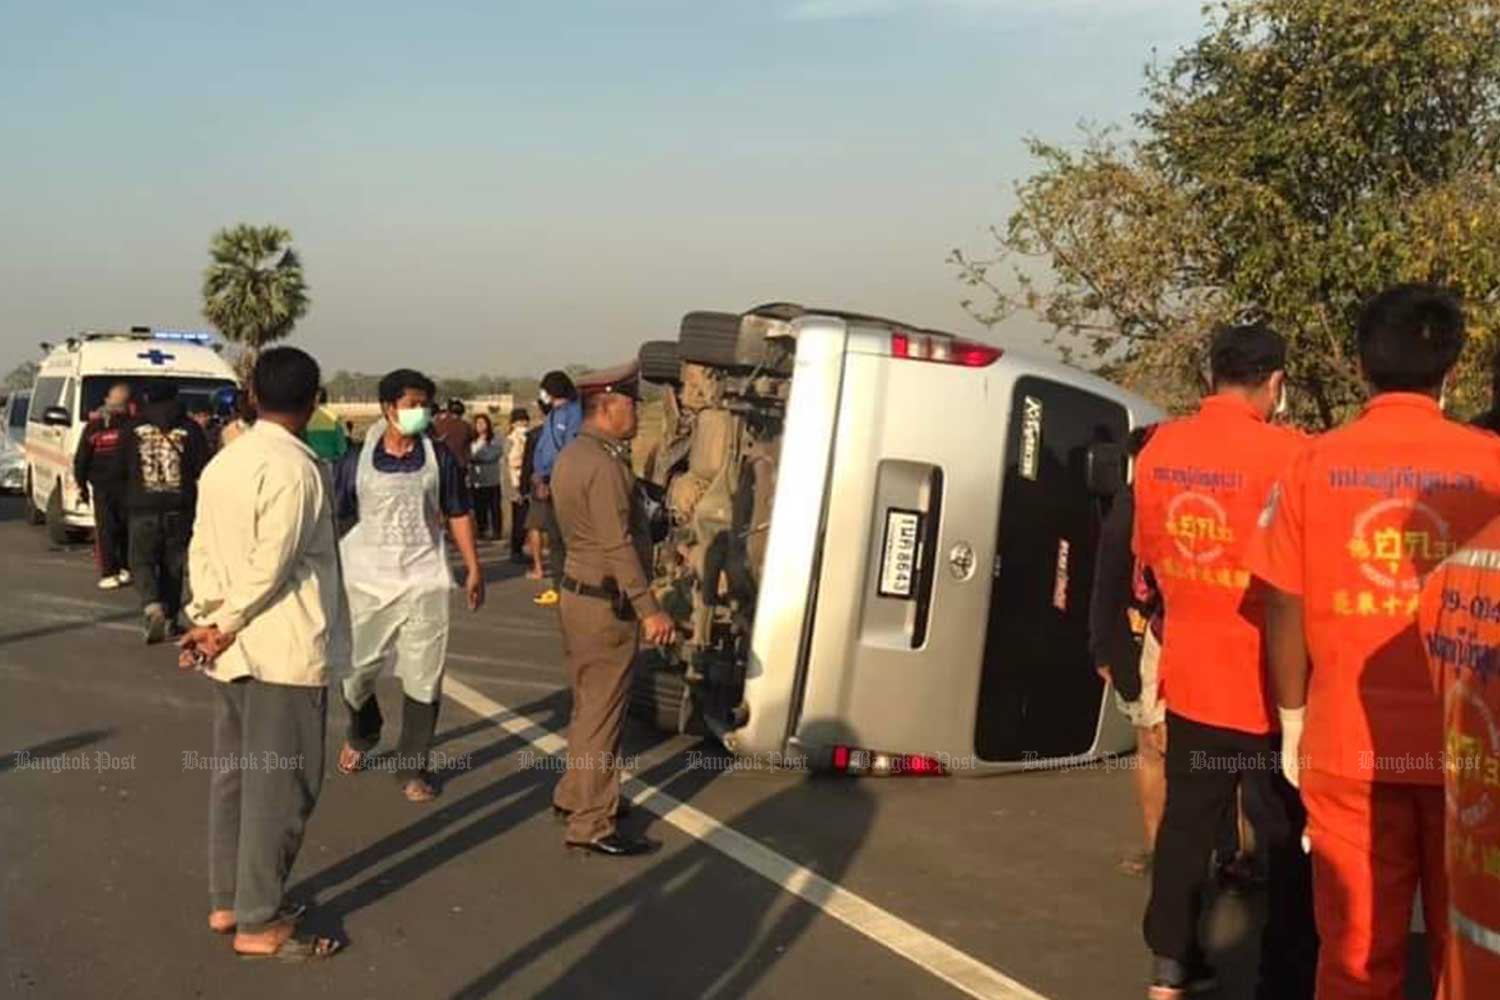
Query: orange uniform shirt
x=1460 y=629
x=1200 y=484
x=1364 y=514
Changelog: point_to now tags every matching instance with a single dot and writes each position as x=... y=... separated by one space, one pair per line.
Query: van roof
x=140 y=351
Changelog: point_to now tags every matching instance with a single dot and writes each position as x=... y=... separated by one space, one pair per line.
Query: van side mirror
x=57 y=416
x=1106 y=469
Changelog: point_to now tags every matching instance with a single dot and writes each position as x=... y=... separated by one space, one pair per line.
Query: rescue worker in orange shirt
x=1200 y=485
x=1346 y=538
x=1460 y=626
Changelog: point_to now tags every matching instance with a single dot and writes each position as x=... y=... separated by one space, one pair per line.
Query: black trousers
x=111 y=531
x=517 y=527
x=158 y=556
x=487 y=511
x=557 y=553
x=418 y=726
x=1205 y=766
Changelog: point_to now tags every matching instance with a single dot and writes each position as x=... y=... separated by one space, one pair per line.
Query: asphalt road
x=104 y=884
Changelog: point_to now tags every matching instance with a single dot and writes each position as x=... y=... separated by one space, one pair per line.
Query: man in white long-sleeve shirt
x=268 y=619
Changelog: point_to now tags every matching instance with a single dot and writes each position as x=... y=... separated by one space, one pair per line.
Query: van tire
x=711 y=338
x=661 y=362
x=58 y=532
x=660 y=697
x=35 y=516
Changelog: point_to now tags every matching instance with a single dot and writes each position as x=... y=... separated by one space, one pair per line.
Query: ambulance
x=70 y=387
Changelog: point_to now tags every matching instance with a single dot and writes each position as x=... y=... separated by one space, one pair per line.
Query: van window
x=189 y=390
x=18 y=408
x=70 y=395
x=47 y=394
x=1039 y=696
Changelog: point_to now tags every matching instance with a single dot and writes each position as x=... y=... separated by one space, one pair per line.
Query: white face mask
x=1283 y=403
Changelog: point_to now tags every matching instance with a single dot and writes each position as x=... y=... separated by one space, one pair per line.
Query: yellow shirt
x=264 y=560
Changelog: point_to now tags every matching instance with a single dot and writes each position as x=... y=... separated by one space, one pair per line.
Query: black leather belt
x=572 y=586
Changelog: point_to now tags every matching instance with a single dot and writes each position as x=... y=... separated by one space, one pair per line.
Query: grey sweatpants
x=267 y=772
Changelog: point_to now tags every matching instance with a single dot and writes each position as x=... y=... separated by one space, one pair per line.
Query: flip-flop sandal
x=299 y=949
x=346 y=752
x=294 y=912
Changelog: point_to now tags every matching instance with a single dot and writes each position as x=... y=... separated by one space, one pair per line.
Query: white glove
x=1291 y=742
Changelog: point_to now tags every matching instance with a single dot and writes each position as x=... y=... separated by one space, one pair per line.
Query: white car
x=879 y=544
x=71 y=385
x=12 y=468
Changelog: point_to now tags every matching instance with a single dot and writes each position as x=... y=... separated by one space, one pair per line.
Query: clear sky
x=509 y=185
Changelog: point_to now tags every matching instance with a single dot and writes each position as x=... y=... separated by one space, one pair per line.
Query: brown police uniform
x=605 y=593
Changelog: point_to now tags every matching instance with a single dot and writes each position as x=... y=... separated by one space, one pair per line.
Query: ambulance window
x=70 y=393
x=18 y=407
x=47 y=395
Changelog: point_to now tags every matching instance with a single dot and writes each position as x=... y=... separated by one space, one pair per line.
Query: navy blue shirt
x=453 y=490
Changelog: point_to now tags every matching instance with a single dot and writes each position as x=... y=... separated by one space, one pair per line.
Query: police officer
x=1200 y=485
x=1364 y=513
x=606 y=602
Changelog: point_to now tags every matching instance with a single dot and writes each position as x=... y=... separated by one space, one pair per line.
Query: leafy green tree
x=254 y=290
x=21 y=376
x=1300 y=156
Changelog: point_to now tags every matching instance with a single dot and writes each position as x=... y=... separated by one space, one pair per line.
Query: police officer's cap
x=624 y=380
x=1241 y=354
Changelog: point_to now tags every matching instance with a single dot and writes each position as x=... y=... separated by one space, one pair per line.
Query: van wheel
x=661 y=362
x=710 y=338
x=35 y=516
x=660 y=697
x=58 y=532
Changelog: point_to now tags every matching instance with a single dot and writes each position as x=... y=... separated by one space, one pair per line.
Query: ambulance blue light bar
x=203 y=337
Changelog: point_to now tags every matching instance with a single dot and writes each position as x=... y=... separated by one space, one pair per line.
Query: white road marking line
x=959 y=970
x=507 y=681
x=502 y=661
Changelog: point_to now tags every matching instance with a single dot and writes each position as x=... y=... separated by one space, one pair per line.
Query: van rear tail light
x=943 y=350
x=854 y=761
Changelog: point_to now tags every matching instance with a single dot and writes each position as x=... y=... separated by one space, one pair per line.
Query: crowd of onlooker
x=141 y=455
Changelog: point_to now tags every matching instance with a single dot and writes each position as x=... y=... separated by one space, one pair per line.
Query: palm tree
x=254 y=291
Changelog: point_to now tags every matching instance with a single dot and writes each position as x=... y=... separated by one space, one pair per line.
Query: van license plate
x=898 y=565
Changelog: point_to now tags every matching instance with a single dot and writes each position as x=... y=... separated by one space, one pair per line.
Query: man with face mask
x=1200 y=485
x=99 y=470
x=394 y=495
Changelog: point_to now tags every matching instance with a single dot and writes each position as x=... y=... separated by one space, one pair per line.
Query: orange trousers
x=1373 y=845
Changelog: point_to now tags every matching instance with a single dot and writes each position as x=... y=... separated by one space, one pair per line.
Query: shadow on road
x=51 y=748
x=751 y=922
x=62 y=627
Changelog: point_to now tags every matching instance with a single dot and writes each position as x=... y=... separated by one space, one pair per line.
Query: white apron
x=397 y=578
